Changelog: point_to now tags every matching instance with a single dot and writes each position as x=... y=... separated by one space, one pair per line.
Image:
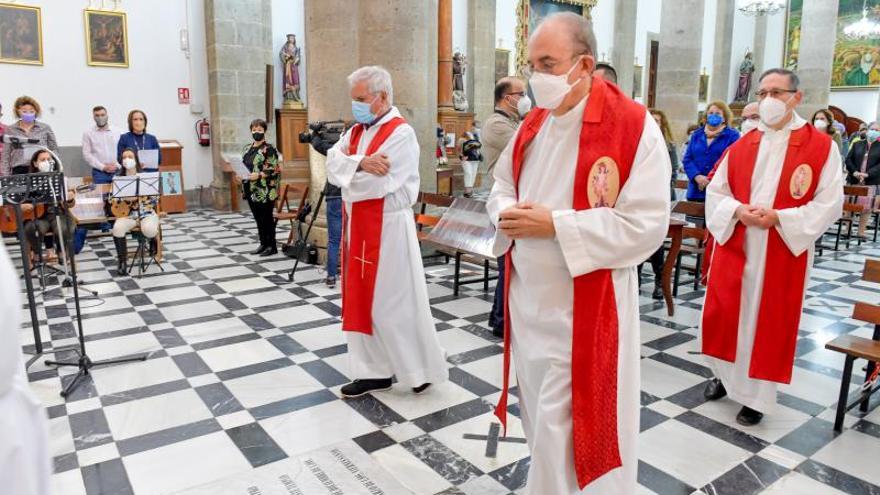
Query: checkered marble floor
x=244 y=370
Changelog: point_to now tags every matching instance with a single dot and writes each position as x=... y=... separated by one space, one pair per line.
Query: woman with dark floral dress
x=261 y=188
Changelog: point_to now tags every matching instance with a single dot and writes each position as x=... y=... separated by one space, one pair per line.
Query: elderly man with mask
x=774 y=193
x=385 y=311
x=577 y=209
x=24 y=446
x=750 y=117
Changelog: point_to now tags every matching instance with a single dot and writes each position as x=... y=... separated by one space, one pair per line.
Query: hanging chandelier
x=761 y=7
x=864 y=28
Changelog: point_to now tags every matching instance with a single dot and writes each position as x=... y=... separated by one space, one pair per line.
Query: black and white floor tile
x=243 y=373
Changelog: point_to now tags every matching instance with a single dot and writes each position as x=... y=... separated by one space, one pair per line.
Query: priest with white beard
x=385 y=309
x=775 y=191
x=578 y=207
x=24 y=447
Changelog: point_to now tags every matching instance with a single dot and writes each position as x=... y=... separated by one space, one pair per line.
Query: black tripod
x=84 y=363
x=302 y=245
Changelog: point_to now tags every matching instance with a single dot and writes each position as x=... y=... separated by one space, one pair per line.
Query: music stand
x=134 y=187
x=40 y=188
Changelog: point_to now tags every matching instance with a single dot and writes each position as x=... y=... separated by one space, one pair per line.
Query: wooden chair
x=859 y=348
x=697 y=234
x=283 y=210
x=681 y=184
x=851 y=208
x=424 y=221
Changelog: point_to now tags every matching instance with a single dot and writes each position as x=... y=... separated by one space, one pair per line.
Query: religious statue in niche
x=459 y=67
x=290 y=60
x=746 y=69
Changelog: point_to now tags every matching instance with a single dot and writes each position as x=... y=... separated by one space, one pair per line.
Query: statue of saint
x=290 y=60
x=459 y=66
x=746 y=69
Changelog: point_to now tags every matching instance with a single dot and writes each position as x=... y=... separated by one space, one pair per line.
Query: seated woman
x=44 y=219
x=144 y=214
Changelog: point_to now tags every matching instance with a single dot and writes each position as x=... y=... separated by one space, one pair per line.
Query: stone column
x=678 y=67
x=623 y=54
x=758 y=44
x=816 y=53
x=444 y=54
x=719 y=86
x=403 y=39
x=239 y=45
x=481 y=57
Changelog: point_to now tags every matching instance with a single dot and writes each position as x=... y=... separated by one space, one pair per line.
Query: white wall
x=505 y=28
x=860 y=104
x=459 y=26
x=67 y=88
x=288 y=17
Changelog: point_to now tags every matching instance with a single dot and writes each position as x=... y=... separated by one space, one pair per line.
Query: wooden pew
x=859 y=348
x=696 y=247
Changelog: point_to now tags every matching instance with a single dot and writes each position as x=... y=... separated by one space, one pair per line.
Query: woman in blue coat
x=705 y=148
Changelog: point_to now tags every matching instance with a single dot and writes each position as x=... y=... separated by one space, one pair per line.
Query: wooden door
x=652 y=73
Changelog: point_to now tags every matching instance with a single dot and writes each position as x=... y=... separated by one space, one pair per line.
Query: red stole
x=360 y=254
x=610 y=133
x=779 y=311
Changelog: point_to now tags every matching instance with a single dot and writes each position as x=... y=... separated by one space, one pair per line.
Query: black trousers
x=265 y=223
x=496 y=317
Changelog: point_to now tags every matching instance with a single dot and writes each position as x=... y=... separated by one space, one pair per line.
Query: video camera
x=323 y=135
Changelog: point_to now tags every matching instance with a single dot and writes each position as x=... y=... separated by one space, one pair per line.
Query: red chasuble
x=779 y=312
x=610 y=133
x=360 y=253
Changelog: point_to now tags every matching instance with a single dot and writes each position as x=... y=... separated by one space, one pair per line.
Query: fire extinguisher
x=203 y=132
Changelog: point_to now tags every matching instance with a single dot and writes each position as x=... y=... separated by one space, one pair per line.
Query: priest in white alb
x=775 y=191
x=578 y=206
x=25 y=462
x=385 y=309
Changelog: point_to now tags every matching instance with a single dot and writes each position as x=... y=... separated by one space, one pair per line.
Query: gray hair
x=793 y=78
x=377 y=78
x=580 y=28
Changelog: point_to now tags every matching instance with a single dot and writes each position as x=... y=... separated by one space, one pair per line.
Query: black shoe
x=269 y=251
x=498 y=332
x=658 y=292
x=421 y=388
x=121 y=244
x=260 y=249
x=748 y=416
x=714 y=390
x=358 y=388
x=154 y=247
x=331 y=282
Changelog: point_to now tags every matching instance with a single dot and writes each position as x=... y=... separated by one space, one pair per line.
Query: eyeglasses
x=775 y=93
x=546 y=67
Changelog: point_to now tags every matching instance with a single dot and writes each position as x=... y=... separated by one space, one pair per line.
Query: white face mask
x=44 y=166
x=523 y=105
x=772 y=111
x=820 y=125
x=128 y=163
x=748 y=125
x=550 y=90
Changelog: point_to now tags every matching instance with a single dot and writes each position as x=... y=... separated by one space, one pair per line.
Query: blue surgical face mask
x=361 y=112
x=873 y=135
x=714 y=120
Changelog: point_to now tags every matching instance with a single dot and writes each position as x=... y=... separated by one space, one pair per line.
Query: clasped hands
x=377 y=164
x=757 y=216
x=526 y=220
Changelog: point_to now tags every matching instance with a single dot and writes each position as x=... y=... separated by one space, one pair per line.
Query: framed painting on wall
x=530 y=13
x=21 y=34
x=856 y=63
x=106 y=38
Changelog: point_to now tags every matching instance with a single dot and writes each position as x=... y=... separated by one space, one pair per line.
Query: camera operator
x=322 y=137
